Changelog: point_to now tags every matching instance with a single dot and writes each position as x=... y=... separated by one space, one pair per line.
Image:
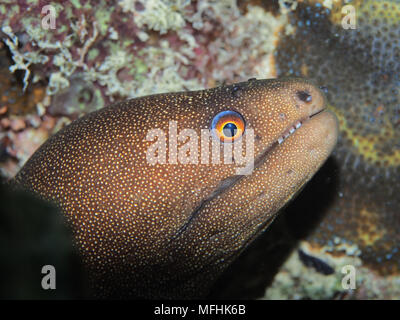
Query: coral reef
x=360 y=68
x=298 y=281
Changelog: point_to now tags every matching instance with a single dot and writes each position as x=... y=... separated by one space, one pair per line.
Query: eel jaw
x=292 y=129
x=229 y=182
x=319 y=132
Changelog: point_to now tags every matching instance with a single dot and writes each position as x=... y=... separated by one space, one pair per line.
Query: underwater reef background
x=104 y=51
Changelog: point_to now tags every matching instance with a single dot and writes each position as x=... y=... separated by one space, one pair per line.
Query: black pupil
x=230 y=130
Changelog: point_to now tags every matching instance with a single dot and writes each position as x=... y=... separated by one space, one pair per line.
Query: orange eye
x=228 y=126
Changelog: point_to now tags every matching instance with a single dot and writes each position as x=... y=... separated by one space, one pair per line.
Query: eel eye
x=228 y=126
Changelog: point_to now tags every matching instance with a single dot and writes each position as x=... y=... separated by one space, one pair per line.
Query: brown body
x=168 y=230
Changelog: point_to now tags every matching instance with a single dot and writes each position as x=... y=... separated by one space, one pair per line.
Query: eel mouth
x=291 y=130
x=229 y=182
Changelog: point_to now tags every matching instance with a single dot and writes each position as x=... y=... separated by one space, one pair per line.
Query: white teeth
x=291 y=131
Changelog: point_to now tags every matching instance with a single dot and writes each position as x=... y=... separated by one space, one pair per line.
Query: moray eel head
x=167 y=226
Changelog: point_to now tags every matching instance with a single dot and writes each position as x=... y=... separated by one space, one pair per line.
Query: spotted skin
x=168 y=230
x=361 y=69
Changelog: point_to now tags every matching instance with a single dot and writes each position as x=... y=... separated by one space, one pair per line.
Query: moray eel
x=361 y=69
x=151 y=229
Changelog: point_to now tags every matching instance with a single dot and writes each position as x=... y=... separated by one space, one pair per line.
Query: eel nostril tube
x=304 y=96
